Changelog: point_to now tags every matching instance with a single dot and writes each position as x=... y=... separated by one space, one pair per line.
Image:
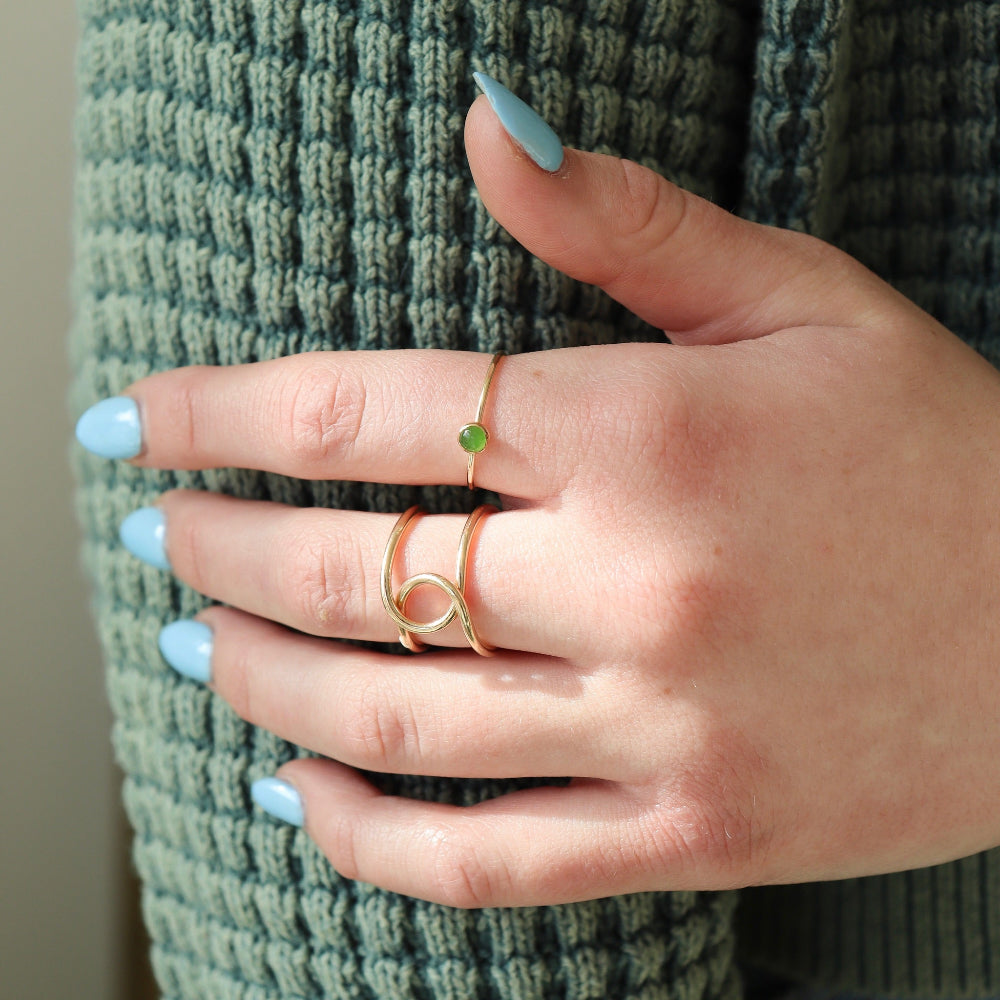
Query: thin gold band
x=395 y=605
x=475 y=430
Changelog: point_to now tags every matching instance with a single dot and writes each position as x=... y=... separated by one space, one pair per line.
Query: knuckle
x=466 y=875
x=340 y=838
x=692 y=601
x=317 y=583
x=716 y=823
x=651 y=414
x=661 y=426
x=652 y=209
x=686 y=441
x=188 y=541
x=380 y=731
x=186 y=416
x=322 y=409
x=233 y=678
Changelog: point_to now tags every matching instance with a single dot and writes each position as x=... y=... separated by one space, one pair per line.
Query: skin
x=744 y=587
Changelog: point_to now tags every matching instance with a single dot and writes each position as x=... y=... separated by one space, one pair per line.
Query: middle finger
x=318 y=570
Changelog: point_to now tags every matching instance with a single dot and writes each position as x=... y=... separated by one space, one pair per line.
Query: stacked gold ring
x=474 y=437
x=395 y=603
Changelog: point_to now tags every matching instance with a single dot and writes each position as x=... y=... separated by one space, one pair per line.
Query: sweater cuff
x=930 y=932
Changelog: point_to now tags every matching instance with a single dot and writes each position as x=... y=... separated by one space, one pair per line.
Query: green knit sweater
x=262 y=177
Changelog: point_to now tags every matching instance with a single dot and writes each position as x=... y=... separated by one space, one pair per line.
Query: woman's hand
x=744 y=589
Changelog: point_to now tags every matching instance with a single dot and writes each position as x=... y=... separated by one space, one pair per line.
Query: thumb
x=681 y=263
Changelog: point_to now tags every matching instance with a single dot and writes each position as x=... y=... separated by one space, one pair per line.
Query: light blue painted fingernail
x=111 y=428
x=279 y=799
x=523 y=124
x=143 y=533
x=187 y=647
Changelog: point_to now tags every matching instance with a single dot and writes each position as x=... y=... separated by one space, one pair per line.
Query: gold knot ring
x=395 y=604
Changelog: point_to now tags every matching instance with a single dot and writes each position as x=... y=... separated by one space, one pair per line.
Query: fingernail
x=187 y=647
x=111 y=428
x=279 y=799
x=143 y=533
x=523 y=125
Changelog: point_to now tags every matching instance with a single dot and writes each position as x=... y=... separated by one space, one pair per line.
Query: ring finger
x=522 y=713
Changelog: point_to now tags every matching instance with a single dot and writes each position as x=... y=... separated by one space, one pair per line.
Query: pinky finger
x=538 y=847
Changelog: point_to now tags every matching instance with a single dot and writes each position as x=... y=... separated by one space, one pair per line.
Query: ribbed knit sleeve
x=257 y=178
x=926 y=933
x=876 y=125
x=262 y=177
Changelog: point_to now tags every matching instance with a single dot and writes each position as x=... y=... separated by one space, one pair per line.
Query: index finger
x=385 y=416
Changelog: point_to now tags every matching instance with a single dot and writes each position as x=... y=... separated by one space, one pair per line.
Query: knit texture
x=875 y=124
x=258 y=178
x=262 y=177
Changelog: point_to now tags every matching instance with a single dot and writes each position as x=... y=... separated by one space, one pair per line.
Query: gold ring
x=475 y=437
x=395 y=604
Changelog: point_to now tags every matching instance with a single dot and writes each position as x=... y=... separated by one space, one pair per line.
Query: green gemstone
x=473 y=438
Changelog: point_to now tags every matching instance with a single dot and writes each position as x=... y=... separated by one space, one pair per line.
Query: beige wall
x=60 y=867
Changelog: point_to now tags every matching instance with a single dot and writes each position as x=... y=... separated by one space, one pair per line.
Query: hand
x=744 y=589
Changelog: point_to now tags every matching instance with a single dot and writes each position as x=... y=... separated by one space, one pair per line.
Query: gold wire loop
x=395 y=604
x=474 y=437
